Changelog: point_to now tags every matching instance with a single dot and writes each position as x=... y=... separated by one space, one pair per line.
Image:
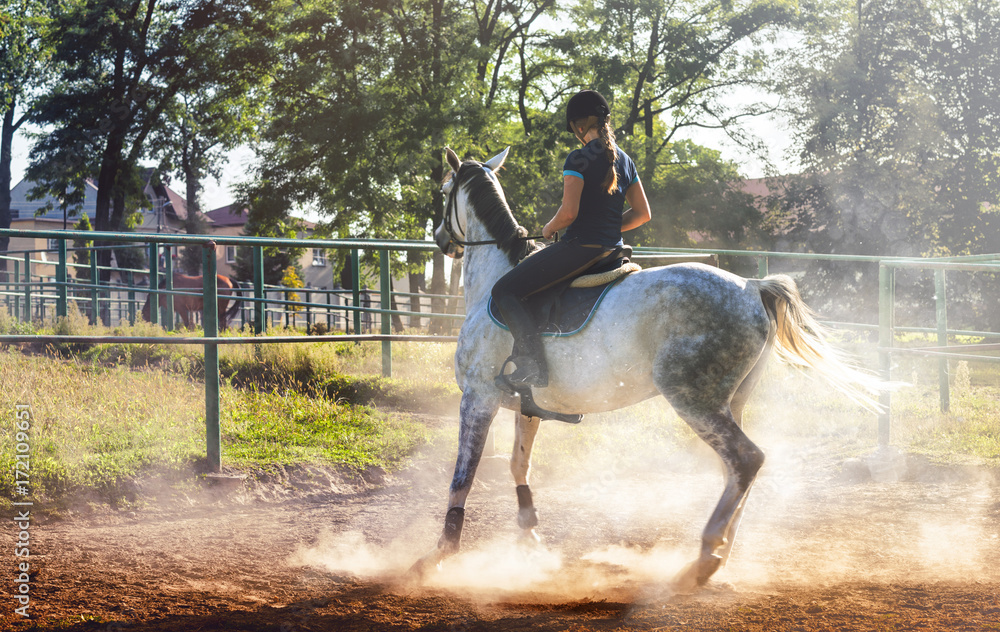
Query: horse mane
x=492 y=210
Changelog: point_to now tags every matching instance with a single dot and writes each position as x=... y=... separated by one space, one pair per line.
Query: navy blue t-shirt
x=600 y=218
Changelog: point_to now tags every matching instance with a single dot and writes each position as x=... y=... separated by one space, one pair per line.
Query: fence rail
x=363 y=309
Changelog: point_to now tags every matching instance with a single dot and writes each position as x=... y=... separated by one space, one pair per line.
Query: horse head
x=464 y=186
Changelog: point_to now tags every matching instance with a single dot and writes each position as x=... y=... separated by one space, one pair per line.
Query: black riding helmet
x=586 y=103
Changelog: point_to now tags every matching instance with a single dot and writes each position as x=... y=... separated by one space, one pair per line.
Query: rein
x=450 y=205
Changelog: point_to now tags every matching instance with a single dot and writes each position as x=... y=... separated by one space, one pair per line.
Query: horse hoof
x=425 y=565
x=529 y=539
x=696 y=574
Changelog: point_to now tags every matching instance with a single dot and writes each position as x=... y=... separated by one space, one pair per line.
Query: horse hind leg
x=736 y=406
x=741 y=461
x=525 y=429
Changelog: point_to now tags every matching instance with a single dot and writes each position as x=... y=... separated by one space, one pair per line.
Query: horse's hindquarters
x=691 y=333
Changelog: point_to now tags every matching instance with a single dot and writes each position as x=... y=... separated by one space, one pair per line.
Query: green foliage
x=290 y=278
x=25 y=71
x=269 y=221
x=361 y=142
x=897 y=113
x=350 y=106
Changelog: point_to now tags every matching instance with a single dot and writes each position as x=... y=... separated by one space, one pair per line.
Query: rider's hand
x=547 y=231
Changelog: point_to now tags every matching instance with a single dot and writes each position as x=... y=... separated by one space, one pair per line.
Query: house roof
x=173 y=203
x=229 y=215
x=22 y=208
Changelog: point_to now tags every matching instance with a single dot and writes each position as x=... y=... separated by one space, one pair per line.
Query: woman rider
x=598 y=179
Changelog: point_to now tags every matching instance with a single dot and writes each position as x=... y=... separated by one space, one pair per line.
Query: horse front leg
x=475 y=416
x=741 y=461
x=525 y=429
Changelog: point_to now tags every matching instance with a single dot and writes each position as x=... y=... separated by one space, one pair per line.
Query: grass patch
x=98 y=430
x=290 y=428
x=423 y=373
x=95 y=429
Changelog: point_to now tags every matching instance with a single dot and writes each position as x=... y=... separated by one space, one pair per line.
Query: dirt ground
x=822 y=547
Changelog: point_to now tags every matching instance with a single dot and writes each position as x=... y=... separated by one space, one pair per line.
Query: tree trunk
x=6 y=143
x=437 y=288
x=191 y=256
x=415 y=279
x=649 y=163
x=397 y=320
x=454 y=288
x=106 y=180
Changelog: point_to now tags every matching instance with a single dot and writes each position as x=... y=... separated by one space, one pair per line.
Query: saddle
x=565 y=310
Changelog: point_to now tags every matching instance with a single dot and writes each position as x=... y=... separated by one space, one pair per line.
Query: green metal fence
x=23 y=288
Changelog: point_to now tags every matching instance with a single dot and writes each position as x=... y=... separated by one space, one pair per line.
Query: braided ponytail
x=611 y=152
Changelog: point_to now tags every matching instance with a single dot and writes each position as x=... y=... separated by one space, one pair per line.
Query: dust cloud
x=622 y=501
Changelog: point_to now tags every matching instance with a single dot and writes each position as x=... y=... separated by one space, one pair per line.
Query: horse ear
x=497 y=161
x=453 y=160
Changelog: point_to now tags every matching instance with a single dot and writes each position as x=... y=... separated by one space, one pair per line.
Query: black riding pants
x=557 y=263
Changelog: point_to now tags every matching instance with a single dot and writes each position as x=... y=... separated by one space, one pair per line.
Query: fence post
x=356 y=288
x=94 y=295
x=286 y=307
x=259 y=321
x=329 y=302
x=131 y=297
x=762 y=267
x=154 y=283
x=27 y=287
x=17 y=295
x=210 y=320
x=168 y=282
x=886 y=304
x=309 y=320
x=61 y=301
x=385 y=302
x=941 y=309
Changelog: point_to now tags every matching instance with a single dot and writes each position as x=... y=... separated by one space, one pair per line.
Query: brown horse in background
x=186 y=305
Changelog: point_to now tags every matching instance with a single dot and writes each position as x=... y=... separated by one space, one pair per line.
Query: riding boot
x=528 y=354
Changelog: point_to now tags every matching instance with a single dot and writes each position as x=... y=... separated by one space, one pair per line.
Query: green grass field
x=105 y=417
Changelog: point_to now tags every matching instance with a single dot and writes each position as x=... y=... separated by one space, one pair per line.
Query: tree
x=898 y=123
x=675 y=64
x=276 y=259
x=964 y=68
x=24 y=68
x=214 y=111
x=122 y=64
x=362 y=102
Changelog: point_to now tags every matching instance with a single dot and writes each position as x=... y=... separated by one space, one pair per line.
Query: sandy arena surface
x=818 y=550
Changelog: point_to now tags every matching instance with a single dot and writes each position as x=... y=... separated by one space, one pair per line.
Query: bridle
x=451 y=218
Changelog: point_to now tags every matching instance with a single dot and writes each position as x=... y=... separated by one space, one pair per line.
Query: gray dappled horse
x=695 y=334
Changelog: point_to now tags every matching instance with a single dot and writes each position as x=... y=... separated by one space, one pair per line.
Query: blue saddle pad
x=565 y=313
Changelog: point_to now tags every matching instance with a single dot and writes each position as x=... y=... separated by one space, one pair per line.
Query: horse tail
x=802 y=341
